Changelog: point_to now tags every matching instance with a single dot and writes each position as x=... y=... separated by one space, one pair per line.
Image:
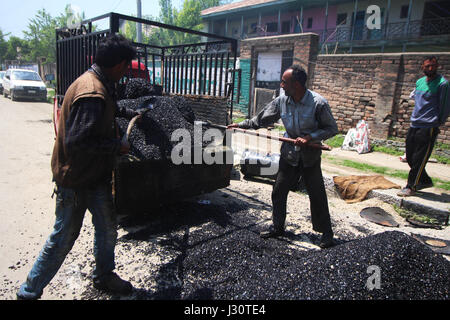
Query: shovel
x=141 y=112
x=255 y=133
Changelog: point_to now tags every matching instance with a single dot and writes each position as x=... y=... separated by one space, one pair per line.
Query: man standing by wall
x=82 y=164
x=307 y=118
x=431 y=109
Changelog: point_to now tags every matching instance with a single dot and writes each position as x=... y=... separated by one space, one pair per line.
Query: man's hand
x=233 y=125
x=124 y=147
x=302 y=141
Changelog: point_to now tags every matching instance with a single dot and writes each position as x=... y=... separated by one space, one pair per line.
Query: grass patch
x=442 y=184
x=441 y=159
x=336 y=141
x=388 y=150
x=238 y=120
x=406 y=214
x=376 y=169
x=442 y=146
x=50 y=95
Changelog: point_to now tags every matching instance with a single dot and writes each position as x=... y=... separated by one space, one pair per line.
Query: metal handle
x=255 y=133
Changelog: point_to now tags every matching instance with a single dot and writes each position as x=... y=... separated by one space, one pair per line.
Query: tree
x=41 y=37
x=3 y=46
x=205 y=4
x=190 y=17
x=17 y=49
x=187 y=17
x=166 y=14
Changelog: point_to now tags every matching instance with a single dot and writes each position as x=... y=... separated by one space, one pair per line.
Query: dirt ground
x=27 y=217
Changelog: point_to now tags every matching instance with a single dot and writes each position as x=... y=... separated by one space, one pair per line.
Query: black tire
x=4 y=94
x=13 y=98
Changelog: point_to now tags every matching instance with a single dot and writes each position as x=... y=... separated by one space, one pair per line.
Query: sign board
x=269 y=66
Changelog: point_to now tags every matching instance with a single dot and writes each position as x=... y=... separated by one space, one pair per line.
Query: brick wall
x=351 y=97
x=209 y=108
x=374 y=87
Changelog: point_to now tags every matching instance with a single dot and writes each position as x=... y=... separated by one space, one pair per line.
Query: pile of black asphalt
x=151 y=137
x=241 y=265
x=138 y=87
x=219 y=255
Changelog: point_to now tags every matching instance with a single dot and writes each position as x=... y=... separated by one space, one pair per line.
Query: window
x=272 y=27
x=253 y=28
x=25 y=75
x=341 y=19
x=310 y=22
x=286 y=27
x=404 y=12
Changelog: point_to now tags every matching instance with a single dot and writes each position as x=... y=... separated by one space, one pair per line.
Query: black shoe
x=271 y=233
x=327 y=240
x=112 y=283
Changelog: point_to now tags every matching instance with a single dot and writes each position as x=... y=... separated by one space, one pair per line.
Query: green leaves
x=40 y=37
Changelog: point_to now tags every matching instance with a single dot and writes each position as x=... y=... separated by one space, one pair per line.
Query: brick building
x=343 y=26
x=373 y=86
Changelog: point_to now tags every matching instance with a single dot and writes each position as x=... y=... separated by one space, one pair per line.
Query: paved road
x=25 y=183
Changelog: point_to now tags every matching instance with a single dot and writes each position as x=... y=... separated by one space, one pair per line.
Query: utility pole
x=139 y=25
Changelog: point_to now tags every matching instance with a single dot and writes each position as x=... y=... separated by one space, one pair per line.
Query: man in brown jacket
x=82 y=165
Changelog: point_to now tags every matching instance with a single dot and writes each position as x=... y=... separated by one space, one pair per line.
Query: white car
x=2 y=74
x=22 y=83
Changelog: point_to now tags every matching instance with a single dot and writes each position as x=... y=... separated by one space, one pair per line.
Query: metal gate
x=204 y=68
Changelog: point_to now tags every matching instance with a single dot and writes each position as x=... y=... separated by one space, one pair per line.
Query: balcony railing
x=392 y=31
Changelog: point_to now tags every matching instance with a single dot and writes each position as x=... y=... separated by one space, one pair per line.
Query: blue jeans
x=71 y=206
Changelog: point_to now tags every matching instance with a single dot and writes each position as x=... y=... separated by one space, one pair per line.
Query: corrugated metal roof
x=248 y=4
x=235 y=5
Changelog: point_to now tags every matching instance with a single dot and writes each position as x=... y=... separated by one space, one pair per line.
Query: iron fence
x=203 y=68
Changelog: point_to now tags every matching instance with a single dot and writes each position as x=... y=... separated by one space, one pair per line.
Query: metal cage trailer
x=202 y=71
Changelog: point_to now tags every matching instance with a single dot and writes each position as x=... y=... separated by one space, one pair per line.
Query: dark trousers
x=419 y=145
x=288 y=177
